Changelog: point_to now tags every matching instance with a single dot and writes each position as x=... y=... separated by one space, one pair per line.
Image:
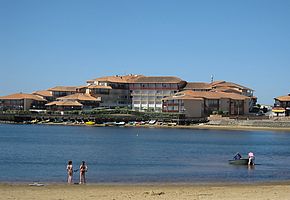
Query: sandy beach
x=271 y=191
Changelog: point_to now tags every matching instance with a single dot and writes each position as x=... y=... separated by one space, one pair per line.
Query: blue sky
x=66 y=42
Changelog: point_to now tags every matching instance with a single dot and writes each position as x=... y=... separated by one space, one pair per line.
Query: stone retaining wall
x=253 y=123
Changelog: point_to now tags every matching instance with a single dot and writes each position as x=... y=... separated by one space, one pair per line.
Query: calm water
x=31 y=153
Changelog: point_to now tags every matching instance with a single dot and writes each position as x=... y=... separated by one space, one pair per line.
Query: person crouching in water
x=251 y=157
x=83 y=170
x=69 y=169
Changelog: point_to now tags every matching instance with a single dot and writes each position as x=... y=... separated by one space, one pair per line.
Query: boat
x=90 y=123
x=242 y=161
x=35 y=121
x=120 y=123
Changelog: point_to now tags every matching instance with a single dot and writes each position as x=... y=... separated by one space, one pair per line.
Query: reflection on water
x=39 y=153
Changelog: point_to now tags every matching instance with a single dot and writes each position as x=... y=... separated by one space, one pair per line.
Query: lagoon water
x=39 y=153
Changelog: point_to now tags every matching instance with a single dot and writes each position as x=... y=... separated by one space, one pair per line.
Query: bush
x=220 y=112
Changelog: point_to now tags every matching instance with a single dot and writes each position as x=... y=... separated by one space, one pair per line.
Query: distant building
x=61 y=91
x=232 y=87
x=203 y=103
x=223 y=86
x=87 y=101
x=134 y=91
x=45 y=94
x=142 y=93
x=113 y=90
x=148 y=91
x=64 y=106
x=22 y=101
x=282 y=104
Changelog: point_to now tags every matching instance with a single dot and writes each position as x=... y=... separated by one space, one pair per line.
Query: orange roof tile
x=64 y=103
x=227 y=89
x=189 y=94
x=228 y=84
x=99 y=87
x=44 y=93
x=19 y=96
x=197 y=85
x=157 y=79
x=283 y=98
x=117 y=78
x=80 y=97
x=63 y=89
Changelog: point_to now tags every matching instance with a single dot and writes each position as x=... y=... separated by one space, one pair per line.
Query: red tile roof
x=217 y=84
x=227 y=89
x=44 y=93
x=197 y=85
x=99 y=87
x=283 y=98
x=157 y=79
x=189 y=94
x=117 y=78
x=80 y=97
x=20 y=96
x=64 y=103
x=63 y=89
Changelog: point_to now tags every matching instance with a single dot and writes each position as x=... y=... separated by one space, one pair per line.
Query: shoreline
x=173 y=184
x=273 y=191
x=201 y=126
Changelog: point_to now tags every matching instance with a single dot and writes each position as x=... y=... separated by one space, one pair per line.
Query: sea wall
x=272 y=123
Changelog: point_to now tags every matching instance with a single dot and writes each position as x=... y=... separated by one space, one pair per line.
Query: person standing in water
x=69 y=169
x=83 y=170
x=251 y=157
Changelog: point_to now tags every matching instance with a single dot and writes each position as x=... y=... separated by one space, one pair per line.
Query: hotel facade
x=144 y=93
x=147 y=92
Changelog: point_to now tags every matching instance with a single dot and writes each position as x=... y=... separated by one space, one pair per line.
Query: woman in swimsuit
x=83 y=170
x=69 y=169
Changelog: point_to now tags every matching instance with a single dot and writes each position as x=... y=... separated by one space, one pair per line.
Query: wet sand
x=271 y=191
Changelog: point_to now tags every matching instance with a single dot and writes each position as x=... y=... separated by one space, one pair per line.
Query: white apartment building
x=147 y=92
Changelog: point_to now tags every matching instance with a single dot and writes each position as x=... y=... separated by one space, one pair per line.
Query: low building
x=64 y=106
x=22 y=101
x=224 y=86
x=284 y=103
x=87 y=101
x=232 y=87
x=202 y=104
x=61 y=91
x=45 y=94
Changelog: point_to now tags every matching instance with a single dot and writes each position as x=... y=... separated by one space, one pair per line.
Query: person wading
x=83 y=170
x=69 y=169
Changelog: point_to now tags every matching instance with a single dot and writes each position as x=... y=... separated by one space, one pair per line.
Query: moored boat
x=90 y=123
x=120 y=123
x=242 y=161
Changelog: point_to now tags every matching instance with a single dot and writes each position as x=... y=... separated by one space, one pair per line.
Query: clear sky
x=45 y=43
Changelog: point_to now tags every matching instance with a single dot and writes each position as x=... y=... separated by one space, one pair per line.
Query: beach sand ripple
x=273 y=191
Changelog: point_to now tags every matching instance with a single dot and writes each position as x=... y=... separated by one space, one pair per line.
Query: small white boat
x=120 y=123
